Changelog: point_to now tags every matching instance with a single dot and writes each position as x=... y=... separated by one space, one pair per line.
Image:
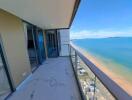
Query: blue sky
x=103 y=18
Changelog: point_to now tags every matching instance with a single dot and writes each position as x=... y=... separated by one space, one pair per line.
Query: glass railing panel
x=93 y=83
x=90 y=86
x=86 y=78
x=102 y=92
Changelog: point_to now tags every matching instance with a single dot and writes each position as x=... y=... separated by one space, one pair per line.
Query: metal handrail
x=112 y=87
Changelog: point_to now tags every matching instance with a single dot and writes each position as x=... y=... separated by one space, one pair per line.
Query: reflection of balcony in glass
x=31 y=46
x=41 y=48
x=5 y=86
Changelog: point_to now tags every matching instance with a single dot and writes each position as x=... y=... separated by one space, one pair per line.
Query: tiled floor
x=54 y=80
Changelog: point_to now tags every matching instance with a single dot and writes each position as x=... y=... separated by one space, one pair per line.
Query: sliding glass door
x=41 y=49
x=36 y=49
x=32 y=49
x=52 y=43
x=5 y=85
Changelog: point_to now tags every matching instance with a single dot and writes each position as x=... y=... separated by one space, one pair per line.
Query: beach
x=121 y=81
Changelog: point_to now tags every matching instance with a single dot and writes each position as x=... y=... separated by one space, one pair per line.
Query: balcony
x=59 y=79
x=53 y=80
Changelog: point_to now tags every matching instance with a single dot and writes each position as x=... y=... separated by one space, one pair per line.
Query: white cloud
x=100 y=34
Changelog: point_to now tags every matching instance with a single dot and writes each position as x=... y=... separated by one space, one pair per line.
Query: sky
x=102 y=18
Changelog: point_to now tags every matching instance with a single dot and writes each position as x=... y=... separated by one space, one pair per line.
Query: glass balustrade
x=91 y=86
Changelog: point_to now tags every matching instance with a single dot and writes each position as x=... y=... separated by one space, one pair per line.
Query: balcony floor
x=54 y=80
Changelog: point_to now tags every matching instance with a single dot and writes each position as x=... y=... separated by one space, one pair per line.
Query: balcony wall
x=65 y=40
x=14 y=46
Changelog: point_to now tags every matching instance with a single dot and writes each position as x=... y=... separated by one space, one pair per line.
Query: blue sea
x=114 y=52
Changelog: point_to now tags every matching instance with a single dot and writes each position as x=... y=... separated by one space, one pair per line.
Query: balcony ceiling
x=47 y=14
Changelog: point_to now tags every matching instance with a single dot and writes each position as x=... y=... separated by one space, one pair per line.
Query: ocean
x=115 y=53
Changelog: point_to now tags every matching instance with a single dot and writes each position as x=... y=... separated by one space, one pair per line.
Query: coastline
x=121 y=81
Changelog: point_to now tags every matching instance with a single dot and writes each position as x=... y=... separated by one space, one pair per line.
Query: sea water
x=114 y=52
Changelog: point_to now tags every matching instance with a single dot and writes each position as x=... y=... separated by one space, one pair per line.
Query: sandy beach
x=121 y=81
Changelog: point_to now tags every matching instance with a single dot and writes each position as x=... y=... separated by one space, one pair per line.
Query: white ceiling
x=47 y=14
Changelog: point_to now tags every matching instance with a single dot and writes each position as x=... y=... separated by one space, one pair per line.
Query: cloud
x=99 y=34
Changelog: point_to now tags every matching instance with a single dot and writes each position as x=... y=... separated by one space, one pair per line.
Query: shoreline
x=121 y=81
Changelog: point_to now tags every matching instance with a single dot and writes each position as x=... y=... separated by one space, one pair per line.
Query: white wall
x=65 y=40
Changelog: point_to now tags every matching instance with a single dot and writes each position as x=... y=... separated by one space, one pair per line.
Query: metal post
x=76 y=61
x=70 y=51
x=94 y=87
